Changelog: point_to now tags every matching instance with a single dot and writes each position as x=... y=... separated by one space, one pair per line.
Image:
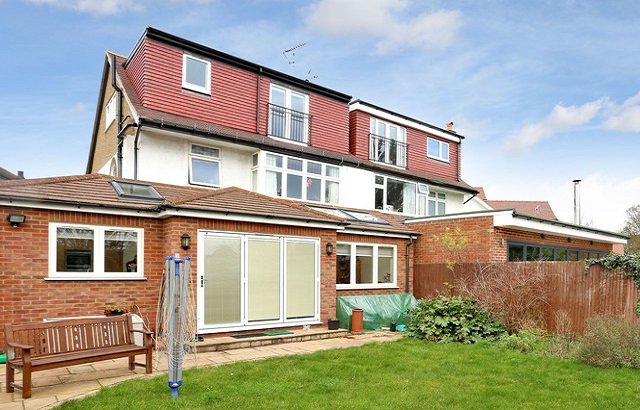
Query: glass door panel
x=263 y=279
x=222 y=280
x=301 y=278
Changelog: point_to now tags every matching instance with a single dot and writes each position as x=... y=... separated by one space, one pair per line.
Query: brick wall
x=28 y=295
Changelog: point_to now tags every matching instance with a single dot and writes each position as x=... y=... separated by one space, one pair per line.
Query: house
x=291 y=194
x=4 y=175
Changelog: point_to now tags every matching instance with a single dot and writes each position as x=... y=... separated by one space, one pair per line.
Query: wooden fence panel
x=573 y=293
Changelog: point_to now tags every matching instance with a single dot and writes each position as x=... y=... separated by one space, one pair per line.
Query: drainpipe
x=135 y=150
x=406 y=265
x=114 y=84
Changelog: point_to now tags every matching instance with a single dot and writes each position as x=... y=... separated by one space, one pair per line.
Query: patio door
x=252 y=281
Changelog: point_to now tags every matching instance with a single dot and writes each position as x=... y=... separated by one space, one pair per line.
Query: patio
x=51 y=387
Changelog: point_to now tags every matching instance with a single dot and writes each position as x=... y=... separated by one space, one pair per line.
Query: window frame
x=540 y=247
x=401 y=137
x=440 y=156
x=262 y=168
x=98 y=254
x=195 y=87
x=110 y=112
x=375 y=256
x=217 y=160
x=288 y=93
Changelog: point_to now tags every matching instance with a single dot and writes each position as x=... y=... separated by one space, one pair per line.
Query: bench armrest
x=146 y=332
x=19 y=346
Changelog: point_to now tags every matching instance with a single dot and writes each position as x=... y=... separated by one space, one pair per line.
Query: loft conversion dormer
x=398 y=141
x=177 y=77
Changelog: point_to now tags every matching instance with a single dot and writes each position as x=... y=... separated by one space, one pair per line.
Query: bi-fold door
x=252 y=281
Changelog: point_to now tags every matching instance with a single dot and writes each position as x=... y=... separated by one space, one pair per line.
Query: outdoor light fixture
x=185 y=241
x=329 y=248
x=16 y=219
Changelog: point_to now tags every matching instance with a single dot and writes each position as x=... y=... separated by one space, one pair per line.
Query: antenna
x=290 y=53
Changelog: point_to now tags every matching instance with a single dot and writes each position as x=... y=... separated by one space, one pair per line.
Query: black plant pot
x=392 y=327
x=334 y=324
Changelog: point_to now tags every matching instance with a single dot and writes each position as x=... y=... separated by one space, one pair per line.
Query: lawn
x=404 y=374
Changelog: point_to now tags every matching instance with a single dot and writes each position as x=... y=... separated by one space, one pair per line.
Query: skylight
x=131 y=190
x=358 y=216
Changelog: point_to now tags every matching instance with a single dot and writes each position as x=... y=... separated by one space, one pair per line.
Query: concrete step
x=216 y=344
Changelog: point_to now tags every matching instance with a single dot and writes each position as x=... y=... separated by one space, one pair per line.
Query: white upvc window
x=437 y=203
x=437 y=149
x=110 y=111
x=288 y=114
x=204 y=166
x=196 y=74
x=95 y=252
x=296 y=178
x=366 y=266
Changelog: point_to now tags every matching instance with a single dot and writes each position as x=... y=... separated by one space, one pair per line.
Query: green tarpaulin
x=379 y=310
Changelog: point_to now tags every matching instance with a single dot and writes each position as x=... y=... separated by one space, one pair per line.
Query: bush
x=525 y=341
x=452 y=319
x=611 y=342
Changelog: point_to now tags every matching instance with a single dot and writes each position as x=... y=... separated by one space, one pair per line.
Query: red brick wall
x=484 y=242
x=400 y=268
x=478 y=231
x=27 y=296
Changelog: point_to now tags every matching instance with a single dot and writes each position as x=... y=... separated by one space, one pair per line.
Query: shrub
x=514 y=292
x=611 y=342
x=525 y=341
x=452 y=319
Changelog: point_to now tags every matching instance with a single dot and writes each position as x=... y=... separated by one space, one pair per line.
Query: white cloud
x=380 y=19
x=625 y=117
x=560 y=119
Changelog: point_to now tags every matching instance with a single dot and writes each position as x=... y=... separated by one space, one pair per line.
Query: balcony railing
x=289 y=124
x=387 y=150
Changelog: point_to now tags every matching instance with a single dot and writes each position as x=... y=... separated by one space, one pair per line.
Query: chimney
x=450 y=126
x=20 y=174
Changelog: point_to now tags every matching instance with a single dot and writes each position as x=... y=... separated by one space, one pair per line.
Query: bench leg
x=26 y=381
x=10 y=372
x=149 y=361
x=132 y=362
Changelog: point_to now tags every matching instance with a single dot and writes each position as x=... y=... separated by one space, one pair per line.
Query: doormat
x=278 y=332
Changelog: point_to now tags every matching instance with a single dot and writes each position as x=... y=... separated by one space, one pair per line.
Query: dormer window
x=437 y=149
x=288 y=114
x=196 y=74
x=387 y=143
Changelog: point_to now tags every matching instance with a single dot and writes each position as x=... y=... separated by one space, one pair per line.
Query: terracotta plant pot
x=356 y=321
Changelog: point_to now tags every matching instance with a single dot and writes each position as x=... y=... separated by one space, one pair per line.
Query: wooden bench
x=40 y=346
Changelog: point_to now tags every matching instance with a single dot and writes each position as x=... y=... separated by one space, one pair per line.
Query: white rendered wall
x=357 y=188
x=164 y=158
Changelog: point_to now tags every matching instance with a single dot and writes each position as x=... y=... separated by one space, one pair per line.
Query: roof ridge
x=50 y=180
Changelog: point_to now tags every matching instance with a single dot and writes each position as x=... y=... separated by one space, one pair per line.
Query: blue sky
x=545 y=92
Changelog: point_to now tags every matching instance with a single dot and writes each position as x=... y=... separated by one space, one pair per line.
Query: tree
x=632 y=228
x=632 y=223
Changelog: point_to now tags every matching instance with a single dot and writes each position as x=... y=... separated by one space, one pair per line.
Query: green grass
x=408 y=374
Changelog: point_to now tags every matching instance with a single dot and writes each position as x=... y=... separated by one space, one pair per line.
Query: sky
x=544 y=92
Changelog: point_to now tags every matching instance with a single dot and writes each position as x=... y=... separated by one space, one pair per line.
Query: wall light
x=185 y=241
x=329 y=248
x=16 y=219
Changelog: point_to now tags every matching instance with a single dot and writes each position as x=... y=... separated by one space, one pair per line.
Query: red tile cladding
x=156 y=73
x=417 y=154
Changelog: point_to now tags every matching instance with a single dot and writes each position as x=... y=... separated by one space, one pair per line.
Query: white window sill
x=446 y=161
x=365 y=286
x=101 y=278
